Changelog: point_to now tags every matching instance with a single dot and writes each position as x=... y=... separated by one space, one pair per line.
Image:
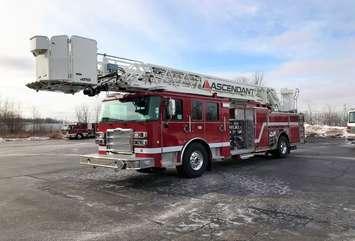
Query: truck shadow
x=237 y=177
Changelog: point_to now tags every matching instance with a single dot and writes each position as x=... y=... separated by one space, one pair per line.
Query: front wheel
x=283 y=147
x=194 y=161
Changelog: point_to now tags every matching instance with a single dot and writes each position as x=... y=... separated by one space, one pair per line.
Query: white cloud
x=289 y=44
x=321 y=81
x=118 y=25
x=314 y=42
x=223 y=10
x=110 y=22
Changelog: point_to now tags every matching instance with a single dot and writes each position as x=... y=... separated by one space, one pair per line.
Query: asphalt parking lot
x=45 y=195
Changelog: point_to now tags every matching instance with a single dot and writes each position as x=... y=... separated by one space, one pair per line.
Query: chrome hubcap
x=196 y=160
x=283 y=147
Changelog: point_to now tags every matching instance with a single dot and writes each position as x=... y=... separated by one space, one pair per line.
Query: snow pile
x=324 y=131
x=37 y=138
x=32 y=138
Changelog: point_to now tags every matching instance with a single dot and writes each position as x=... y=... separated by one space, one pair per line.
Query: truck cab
x=158 y=129
x=350 y=127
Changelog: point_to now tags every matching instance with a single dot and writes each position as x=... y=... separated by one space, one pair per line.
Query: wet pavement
x=45 y=195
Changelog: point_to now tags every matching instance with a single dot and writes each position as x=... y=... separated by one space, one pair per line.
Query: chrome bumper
x=117 y=161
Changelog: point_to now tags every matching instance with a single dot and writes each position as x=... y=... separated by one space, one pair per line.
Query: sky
x=302 y=44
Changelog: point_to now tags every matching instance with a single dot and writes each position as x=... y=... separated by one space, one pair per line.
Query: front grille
x=119 y=140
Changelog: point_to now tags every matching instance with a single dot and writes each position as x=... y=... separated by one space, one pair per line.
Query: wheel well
x=205 y=145
x=285 y=135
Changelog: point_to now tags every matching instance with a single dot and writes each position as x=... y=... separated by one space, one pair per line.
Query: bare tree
x=310 y=119
x=330 y=116
x=11 y=121
x=345 y=115
x=35 y=121
x=96 y=111
x=258 y=78
x=82 y=113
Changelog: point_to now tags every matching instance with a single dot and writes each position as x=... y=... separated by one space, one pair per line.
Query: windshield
x=352 y=117
x=65 y=128
x=133 y=109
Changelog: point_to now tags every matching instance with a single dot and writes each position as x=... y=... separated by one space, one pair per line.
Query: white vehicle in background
x=350 y=127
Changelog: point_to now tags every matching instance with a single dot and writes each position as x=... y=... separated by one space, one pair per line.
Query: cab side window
x=212 y=113
x=178 y=111
x=196 y=110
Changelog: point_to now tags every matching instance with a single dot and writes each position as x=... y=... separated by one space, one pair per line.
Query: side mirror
x=172 y=107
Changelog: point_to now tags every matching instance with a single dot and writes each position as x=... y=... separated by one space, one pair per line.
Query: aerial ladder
x=70 y=65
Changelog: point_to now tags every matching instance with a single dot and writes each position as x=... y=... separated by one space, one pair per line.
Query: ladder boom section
x=70 y=65
x=120 y=74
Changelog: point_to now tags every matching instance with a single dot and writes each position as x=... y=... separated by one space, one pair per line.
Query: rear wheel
x=194 y=161
x=283 y=147
x=79 y=136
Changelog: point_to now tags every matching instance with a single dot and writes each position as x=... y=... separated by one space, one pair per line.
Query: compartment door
x=261 y=128
x=243 y=129
x=249 y=128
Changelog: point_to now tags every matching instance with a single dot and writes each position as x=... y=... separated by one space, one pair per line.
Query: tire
x=194 y=161
x=79 y=136
x=283 y=147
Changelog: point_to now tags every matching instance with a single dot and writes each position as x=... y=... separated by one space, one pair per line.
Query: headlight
x=140 y=134
x=140 y=138
x=140 y=142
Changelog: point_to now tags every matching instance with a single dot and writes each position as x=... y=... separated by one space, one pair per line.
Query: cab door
x=215 y=123
x=174 y=127
x=197 y=119
x=186 y=125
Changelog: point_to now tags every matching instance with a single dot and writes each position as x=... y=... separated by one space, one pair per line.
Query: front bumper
x=117 y=161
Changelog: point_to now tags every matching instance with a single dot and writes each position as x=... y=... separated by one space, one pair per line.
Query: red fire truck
x=80 y=130
x=159 y=117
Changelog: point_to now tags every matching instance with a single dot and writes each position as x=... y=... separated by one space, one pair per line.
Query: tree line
x=14 y=124
x=330 y=116
x=10 y=118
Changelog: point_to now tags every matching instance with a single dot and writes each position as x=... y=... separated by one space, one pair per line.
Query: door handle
x=221 y=128
x=186 y=129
